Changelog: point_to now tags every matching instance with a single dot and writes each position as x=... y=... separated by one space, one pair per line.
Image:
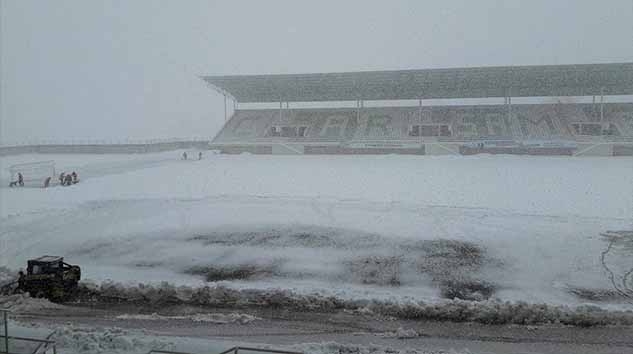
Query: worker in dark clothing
x=200 y=155
x=74 y=175
x=184 y=155
x=20 y=280
x=20 y=180
x=68 y=180
x=61 y=178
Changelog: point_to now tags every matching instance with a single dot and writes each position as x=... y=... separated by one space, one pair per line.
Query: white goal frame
x=34 y=173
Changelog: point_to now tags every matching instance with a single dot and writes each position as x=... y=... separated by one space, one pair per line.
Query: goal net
x=34 y=174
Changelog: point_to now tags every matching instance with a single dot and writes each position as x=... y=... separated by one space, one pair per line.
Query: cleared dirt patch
x=237 y=272
x=441 y=256
x=454 y=265
x=467 y=289
x=380 y=270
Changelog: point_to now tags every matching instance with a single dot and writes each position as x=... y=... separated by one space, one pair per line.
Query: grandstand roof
x=520 y=81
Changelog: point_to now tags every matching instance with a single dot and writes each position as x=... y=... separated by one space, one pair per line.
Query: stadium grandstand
x=579 y=123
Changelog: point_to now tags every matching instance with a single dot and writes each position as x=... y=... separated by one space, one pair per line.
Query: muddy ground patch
x=379 y=270
x=453 y=266
x=232 y=272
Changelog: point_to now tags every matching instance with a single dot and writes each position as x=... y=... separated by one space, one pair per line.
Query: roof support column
x=509 y=103
x=420 y=121
x=601 y=104
x=280 y=110
x=225 y=117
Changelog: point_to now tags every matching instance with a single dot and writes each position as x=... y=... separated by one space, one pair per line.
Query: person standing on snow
x=200 y=155
x=68 y=180
x=184 y=155
x=21 y=280
x=20 y=180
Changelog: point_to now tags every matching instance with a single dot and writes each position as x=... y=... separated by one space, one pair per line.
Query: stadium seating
x=438 y=123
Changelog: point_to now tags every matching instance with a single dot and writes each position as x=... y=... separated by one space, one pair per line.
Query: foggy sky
x=129 y=69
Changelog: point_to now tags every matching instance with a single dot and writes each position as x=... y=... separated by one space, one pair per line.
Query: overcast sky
x=129 y=69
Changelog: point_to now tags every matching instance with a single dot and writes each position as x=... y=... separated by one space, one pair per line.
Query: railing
x=234 y=350
x=44 y=344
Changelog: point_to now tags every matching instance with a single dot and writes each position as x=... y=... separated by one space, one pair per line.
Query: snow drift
x=486 y=312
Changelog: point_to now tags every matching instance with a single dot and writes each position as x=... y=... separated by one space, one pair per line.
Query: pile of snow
x=7 y=275
x=23 y=303
x=217 y=318
x=337 y=348
x=500 y=312
x=400 y=333
x=73 y=339
x=84 y=340
x=487 y=312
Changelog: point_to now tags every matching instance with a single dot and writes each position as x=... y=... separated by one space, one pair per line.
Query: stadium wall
x=102 y=148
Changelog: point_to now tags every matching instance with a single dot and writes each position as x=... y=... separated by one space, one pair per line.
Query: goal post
x=34 y=174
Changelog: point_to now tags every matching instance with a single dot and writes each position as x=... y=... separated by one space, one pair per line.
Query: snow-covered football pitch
x=392 y=227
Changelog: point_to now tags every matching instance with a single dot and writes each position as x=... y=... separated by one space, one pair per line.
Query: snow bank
x=22 y=303
x=400 y=333
x=7 y=275
x=96 y=340
x=337 y=348
x=487 y=312
x=217 y=318
x=74 y=339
